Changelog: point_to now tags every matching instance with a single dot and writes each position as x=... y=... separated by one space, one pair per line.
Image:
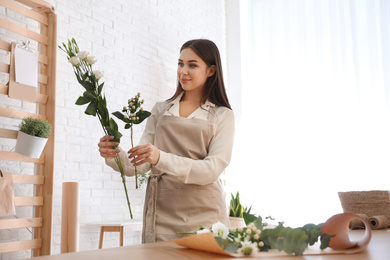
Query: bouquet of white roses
x=97 y=105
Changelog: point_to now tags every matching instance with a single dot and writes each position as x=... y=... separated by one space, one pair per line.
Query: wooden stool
x=134 y=225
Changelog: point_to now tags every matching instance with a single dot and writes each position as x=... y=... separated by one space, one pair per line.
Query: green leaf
x=91 y=109
x=103 y=113
x=119 y=115
x=117 y=135
x=249 y=218
x=142 y=116
x=81 y=101
x=113 y=124
x=100 y=88
x=89 y=95
x=127 y=126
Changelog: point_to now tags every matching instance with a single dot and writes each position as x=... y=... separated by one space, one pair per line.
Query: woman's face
x=192 y=71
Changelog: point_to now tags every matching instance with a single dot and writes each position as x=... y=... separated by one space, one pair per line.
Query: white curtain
x=315 y=106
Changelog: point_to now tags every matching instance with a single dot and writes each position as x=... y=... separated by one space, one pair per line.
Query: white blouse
x=188 y=170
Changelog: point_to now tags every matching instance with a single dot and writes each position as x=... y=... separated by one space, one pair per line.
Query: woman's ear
x=212 y=69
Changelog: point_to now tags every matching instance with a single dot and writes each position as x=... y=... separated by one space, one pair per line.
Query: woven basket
x=373 y=206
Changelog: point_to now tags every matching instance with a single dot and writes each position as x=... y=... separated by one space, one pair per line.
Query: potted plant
x=236 y=212
x=32 y=136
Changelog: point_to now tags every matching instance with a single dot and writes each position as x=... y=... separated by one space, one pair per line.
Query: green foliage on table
x=35 y=127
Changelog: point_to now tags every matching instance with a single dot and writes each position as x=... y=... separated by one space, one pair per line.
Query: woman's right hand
x=107 y=148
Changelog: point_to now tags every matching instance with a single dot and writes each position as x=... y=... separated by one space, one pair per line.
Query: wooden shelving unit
x=42 y=13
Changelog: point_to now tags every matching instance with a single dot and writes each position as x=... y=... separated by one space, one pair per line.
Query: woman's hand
x=107 y=148
x=144 y=153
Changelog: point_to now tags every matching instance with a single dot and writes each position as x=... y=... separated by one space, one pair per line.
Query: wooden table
x=378 y=249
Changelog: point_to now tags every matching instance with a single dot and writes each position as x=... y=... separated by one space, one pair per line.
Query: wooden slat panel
x=3 y=89
x=38 y=5
x=23 y=31
x=20 y=245
x=20 y=158
x=42 y=78
x=4 y=67
x=28 y=201
x=11 y=113
x=25 y=11
x=20 y=223
x=8 y=133
x=5 y=45
x=29 y=179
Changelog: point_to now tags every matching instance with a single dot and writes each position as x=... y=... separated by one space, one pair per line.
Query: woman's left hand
x=144 y=153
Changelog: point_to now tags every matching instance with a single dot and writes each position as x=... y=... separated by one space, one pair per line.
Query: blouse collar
x=174 y=109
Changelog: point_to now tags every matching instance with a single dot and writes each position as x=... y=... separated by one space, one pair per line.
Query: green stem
x=132 y=145
x=119 y=163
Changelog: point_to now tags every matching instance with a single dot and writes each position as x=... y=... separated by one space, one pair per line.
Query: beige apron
x=170 y=205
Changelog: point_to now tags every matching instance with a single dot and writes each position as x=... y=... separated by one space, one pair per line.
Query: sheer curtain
x=315 y=106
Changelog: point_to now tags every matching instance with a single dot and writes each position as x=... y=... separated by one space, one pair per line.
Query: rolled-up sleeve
x=207 y=170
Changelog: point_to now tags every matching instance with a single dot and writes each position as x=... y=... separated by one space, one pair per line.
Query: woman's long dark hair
x=214 y=89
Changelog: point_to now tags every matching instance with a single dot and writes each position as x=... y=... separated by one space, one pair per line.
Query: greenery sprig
x=92 y=97
x=134 y=114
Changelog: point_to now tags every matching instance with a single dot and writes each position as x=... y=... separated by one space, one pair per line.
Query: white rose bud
x=125 y=116
x=74 y=61
x=256 y=236
x=261 y=244
x=98 y=74
x=133 y=107
x=124 y=108
x=82 y=55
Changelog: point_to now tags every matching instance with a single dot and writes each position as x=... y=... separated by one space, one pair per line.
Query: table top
x=377 y=249
x=115 y=223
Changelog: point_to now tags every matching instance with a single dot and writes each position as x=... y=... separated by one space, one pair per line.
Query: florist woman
x=187 y=144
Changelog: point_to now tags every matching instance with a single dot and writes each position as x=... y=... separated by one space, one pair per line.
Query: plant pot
x=29 y=145
x=236 y=222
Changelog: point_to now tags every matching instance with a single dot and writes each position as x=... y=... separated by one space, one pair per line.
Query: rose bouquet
x=97 y=104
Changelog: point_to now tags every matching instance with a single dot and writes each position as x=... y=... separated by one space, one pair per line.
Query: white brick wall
x=137 y=45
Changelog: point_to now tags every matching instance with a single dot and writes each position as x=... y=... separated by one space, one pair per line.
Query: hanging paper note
x=26 y=66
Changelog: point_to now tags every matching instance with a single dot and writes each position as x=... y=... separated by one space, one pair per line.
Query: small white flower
x=74 y=61
x=124 y=108
x=206 y=230
x=261 y=244
x=258 y=231
x=82 y=55
x=125 y=116
x=98 y=74
x=248 y=231
x=133 y=107
x=220 y=230
x=91 y=60
x=239 y=229
x=248 y=248
x=141 y=109
x=256 y=237
x=139 y=94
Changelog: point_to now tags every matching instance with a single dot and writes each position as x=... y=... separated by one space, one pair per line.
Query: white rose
x=98 y=74
x=91 y=60
x=74 y=61
x=220 y=230
x=82 y=55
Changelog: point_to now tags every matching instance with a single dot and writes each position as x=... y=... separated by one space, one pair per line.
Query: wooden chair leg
x=101 y=237
x=121 y=236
